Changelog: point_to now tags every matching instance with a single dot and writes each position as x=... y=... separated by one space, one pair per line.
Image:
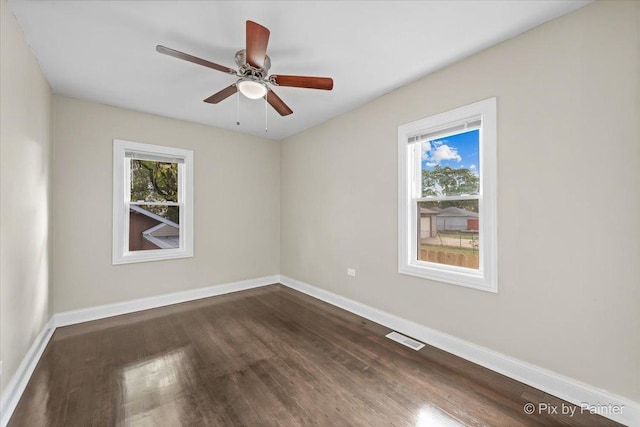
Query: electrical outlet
x=351 y=272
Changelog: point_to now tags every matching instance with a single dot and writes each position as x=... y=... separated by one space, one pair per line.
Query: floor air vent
x=411 y=343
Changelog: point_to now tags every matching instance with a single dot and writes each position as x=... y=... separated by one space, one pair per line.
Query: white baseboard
x=558 y=385
x=103 y=311
x=13 y=391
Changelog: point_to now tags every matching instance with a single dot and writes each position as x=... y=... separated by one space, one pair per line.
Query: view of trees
x=447 y=181
x=153 y=181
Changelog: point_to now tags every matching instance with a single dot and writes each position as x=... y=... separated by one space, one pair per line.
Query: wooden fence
x=450 y=258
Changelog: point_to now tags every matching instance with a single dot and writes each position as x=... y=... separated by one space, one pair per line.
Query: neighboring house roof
x=427 y=211
x=453 y=211
x=154 y=216
x=165 y=235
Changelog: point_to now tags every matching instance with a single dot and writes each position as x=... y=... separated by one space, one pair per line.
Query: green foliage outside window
x=153 y=181
x=447 y=181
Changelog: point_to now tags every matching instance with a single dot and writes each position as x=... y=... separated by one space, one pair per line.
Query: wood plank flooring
x=264 y=357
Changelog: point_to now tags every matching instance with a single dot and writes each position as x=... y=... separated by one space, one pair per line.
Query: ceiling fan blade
x=257 y=40
x=222 y=95
x=324 y=83
x=186 y=57
x=278 y=104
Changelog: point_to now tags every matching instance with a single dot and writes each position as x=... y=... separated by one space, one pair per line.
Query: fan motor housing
x=247 y=69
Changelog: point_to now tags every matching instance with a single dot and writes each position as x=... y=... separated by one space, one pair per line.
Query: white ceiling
x=104 y=51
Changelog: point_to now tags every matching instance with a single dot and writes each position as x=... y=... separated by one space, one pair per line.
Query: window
x=152 y=202
x=447 y=228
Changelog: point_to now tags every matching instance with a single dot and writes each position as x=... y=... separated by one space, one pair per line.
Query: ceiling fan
x=253 y=67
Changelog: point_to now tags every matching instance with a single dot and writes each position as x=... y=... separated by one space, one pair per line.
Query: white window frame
x=409 y=193
x=121 y=203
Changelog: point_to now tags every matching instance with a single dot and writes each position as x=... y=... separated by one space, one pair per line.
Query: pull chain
x=265 y=112
x=238 y=108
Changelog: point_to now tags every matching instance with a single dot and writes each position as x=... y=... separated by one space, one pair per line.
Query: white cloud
x=434 y=152
x=435 y=155
x=473 y=167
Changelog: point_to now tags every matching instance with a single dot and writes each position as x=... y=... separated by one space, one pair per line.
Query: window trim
x=120 y=249
x=486 y=278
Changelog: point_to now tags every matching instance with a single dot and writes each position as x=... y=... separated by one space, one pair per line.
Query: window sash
x=416 y=218
x=413 y=215
x=127 y=196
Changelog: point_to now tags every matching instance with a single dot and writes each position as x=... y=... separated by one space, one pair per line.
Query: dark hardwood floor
x=268 y=356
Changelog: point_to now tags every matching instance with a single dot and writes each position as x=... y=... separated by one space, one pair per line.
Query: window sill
x=451 y=275
x=151 y=255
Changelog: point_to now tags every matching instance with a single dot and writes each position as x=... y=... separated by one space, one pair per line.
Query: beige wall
x=25 y=196
x=568 y=189
x=237 y=185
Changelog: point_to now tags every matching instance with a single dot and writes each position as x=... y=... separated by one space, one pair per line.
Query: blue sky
x=457 y=151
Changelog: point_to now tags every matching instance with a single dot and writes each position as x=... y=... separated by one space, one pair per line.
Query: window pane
x=451 y=165
x=154 y=227
x=448 y=233
x=154 y=181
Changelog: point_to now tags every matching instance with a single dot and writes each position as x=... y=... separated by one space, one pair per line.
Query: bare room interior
x=284 y=213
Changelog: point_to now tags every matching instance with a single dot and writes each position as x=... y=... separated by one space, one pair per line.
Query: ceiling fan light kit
x=253 y=67
x=252 y=89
